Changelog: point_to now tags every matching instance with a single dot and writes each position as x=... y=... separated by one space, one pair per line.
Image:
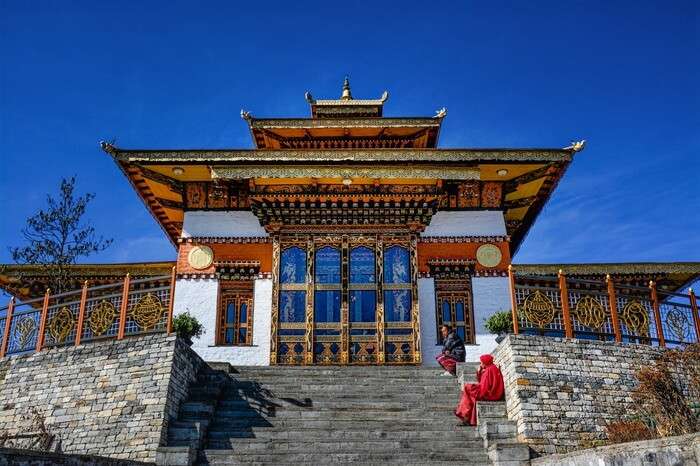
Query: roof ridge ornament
x=246 y=115
x=576 y=146
x=442 y=113
x=346 y=95
x=108 y=147
x=309 y=98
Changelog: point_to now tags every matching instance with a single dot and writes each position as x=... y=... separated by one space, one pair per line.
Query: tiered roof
x=348 y=148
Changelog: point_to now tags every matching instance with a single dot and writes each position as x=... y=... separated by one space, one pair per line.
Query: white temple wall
x=428 y=325
x=491 y=294
x=221 y=224
x=467 y=223
x=199 y=298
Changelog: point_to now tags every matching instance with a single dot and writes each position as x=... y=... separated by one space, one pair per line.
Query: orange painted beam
x=566 y=313
x=81 y=314
x=612 y=300
x=42 y=322
x=8 y=324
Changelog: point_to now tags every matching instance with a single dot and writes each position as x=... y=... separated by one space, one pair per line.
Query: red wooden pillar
x=8 y=324
x=612 y=300
x=124 y=307
x=513 y=299
x=81 y=314
x=657 y=314
x=42 y=322
x=696 y=315
x=172 y=301
x=566 y=314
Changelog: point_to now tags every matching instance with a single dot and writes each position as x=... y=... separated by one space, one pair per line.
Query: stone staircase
x=321 y=415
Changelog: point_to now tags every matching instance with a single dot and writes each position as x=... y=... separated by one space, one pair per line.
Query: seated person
x=452 y=350
x=489 y=387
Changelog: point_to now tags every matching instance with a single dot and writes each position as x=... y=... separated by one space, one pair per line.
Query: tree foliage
x=57 y=237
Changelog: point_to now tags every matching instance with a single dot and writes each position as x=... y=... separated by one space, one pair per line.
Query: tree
x=57 y=237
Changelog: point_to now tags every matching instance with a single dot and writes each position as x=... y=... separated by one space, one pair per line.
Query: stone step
x=252 y=397
x=337 y=413
x=325 y=404
x=448 y=424
x=270 y=389
x=411 y=457
x=341 y=445
x=355 y=433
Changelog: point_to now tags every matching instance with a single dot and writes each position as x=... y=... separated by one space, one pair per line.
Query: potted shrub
x=187 y=326
x=500 y=323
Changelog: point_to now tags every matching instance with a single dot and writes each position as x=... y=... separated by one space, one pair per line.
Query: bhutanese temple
x=345 y=237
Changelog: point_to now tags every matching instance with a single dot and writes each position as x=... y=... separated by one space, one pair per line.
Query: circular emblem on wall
x=489 y=255
x=200 y=257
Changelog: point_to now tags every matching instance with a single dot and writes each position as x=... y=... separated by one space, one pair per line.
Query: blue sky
x=623 y=75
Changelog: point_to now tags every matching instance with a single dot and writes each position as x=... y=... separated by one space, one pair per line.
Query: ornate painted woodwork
x=343 y=313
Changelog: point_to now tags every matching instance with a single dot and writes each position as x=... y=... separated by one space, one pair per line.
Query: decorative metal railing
x=602 y=310
x=92 y=313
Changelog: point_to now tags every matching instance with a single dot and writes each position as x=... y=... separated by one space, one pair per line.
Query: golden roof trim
x=352 y=171
x=134 y=268
x=344 y=155
x=623 y=268
x=377 y=122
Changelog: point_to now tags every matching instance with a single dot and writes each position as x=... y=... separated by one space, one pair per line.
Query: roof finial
x=346 y=95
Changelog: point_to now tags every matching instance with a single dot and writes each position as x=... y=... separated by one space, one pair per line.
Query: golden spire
x=346 y=95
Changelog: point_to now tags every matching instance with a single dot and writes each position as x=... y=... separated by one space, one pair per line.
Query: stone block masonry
x=562 y=393
x=111 y=398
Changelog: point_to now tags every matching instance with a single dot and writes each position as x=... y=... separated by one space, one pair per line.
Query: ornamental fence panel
x=603 y=310
x=114 y=310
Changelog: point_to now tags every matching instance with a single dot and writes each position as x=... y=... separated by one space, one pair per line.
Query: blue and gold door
x=345 y=299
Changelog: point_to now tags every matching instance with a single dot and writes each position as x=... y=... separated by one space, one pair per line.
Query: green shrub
x=187 y=326
x=500 y=322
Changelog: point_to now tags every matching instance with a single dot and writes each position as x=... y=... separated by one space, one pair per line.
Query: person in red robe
x=488 y=387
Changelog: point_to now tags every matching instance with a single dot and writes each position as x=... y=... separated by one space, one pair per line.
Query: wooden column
x=42 y=322
x=8 y=324
x=169 y=325
x=657 y=314
x=612 y=300
x=513 y=300
x=124 y=307
x=81 y=314
x=566 y=314
x=696 y=315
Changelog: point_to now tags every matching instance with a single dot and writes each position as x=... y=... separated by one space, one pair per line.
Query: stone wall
x=562 y=393
x=682 y=450
x=109 y=398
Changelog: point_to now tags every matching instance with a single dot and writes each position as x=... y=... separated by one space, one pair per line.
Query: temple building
x=346 y=237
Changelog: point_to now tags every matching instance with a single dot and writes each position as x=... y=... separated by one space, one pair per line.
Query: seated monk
x=488 y=387
x=452 y=351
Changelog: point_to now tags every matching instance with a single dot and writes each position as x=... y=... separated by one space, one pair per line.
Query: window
x=397 y=284
x=454 y=307
x=362 y=286
x=235 y=319
x=293 y=285
x=327 y=285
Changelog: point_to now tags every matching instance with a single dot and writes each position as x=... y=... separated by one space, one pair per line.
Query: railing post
x=566 y=315
x=172 y=301
x=8 y=324
x=696 y=316
x=124 y=307
x=612 y=300
x=81 y=314
x=657 y=314
x=42 y=322
x=513 y=300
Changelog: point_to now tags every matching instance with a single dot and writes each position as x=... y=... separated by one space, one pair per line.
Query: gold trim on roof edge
x=268 y=123
x=346 y=155
x=610 y=268
x=286 y=171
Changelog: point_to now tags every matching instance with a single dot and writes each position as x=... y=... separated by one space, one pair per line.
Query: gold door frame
x=310 y=244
